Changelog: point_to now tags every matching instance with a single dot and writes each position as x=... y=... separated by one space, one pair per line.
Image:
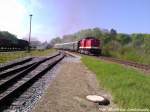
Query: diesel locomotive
x=88 y=45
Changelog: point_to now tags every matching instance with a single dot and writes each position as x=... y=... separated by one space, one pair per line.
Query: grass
x=129 y=88
x=131 y=55
x=8 y=56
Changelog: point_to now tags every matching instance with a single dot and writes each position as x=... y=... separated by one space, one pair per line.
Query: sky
x=52 y=18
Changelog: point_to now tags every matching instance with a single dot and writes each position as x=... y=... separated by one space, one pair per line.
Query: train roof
x=67 y=43
x=89 y=38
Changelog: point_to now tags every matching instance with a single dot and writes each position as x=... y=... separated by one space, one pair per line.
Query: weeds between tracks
x=8 y=56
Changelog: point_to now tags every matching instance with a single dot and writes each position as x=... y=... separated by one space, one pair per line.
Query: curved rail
x=125 y=62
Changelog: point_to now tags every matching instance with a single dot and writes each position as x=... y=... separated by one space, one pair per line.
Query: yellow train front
x=88 y=45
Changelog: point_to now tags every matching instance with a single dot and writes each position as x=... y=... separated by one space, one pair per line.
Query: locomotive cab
x=90 y=45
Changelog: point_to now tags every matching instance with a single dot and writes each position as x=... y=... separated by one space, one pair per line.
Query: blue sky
x=53 y=18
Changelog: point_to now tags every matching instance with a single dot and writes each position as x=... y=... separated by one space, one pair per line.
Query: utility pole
x=30 y=32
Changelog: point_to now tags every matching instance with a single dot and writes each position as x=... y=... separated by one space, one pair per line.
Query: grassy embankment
x=133 y=56
x=8 y=56
x=129 y=88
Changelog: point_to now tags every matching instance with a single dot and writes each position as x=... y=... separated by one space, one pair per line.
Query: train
x=10 y=45
x=88 y=45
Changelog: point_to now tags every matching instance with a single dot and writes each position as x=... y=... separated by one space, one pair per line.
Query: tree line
x=135 y=47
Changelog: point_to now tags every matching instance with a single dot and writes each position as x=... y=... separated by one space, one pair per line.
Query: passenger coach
x=89 y=45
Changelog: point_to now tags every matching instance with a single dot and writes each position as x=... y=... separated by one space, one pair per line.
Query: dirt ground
x=68 y=91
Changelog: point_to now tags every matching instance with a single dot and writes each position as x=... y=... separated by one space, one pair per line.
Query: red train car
x=90 y=45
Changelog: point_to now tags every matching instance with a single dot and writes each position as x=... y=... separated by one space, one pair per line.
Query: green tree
x=137 y=40
x=123 y=38
x=113 y=34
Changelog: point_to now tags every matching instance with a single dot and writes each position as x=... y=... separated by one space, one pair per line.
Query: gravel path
x=68 y=90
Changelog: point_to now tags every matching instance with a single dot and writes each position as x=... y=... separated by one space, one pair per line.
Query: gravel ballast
x=26 y=101
x=68 y=91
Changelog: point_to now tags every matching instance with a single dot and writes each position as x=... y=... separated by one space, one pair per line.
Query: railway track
x=124 y=62
x=11 y=65
x=129 y=63
x=16 y=78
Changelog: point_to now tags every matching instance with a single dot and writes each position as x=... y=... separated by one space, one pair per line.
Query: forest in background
x=134 y=47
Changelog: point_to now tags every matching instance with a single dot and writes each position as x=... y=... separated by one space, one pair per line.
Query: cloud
x=36 y=4
x=71 y=16
x=11 y=16
x=14 y=16
x=33 y=6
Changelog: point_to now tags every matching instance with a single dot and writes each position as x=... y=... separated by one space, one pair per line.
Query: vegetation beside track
x=8 y=56
x=129 y=88
x=133 y=47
